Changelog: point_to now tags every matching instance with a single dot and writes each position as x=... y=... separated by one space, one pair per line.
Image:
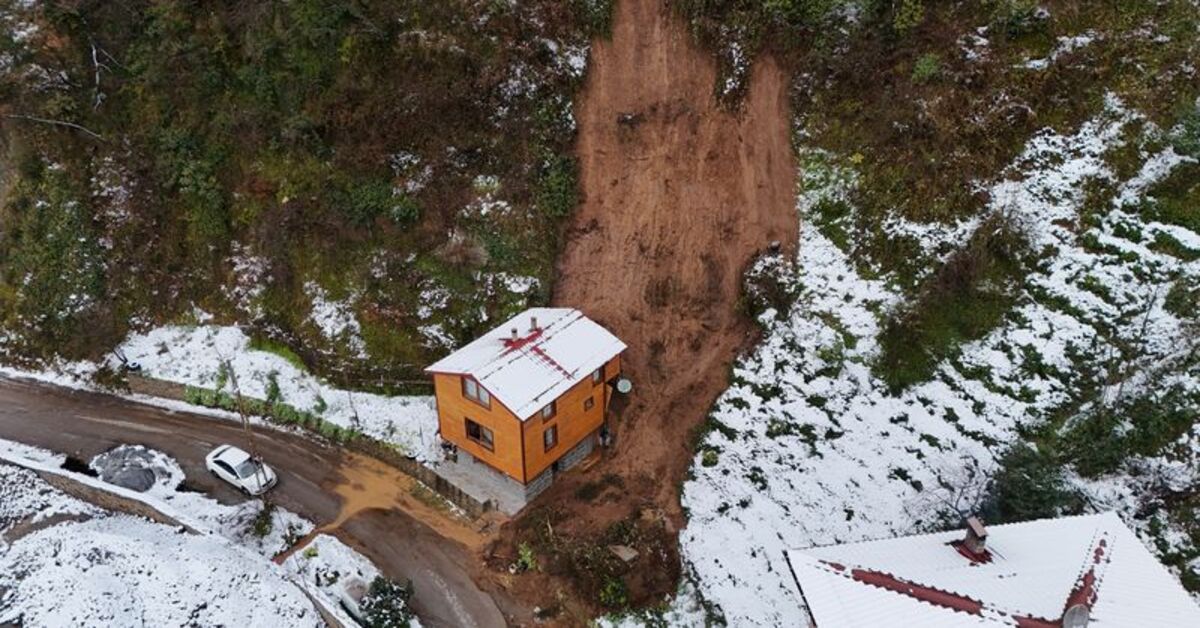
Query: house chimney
x=533 y=323
x=976 y=539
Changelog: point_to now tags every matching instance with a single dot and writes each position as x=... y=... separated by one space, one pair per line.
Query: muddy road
x=360 y=500
x=679 y=195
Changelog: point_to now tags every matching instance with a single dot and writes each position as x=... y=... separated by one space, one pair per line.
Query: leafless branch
x=21 y=116
x=99 y=94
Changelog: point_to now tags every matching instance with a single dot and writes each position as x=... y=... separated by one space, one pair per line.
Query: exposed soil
x=679 y=195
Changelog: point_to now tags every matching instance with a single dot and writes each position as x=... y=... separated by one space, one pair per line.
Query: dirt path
x=679 y=196
x=362 y=501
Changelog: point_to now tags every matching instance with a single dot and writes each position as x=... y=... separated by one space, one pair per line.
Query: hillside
x=880 y=264
x=347 y=180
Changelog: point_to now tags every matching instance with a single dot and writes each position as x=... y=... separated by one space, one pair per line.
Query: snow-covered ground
x=815 y=450
x=98 y=568
x=232 y=521
x=336 y=320
x=227 y=562
x=193 y=355
x=341 y=574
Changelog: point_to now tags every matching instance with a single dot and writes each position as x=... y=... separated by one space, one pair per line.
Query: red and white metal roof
x=538 y=366
x=1033 y=572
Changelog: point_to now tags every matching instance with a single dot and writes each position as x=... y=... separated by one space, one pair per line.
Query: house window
x=550 y=437
x=588 y=404
x=481 y=435
x=549 y=411
x=473 y=391
x=597 y=376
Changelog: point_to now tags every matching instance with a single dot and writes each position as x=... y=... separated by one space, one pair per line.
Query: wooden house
x=529 y=398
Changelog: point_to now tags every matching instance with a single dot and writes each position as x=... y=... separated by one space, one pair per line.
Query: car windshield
x=247 y=468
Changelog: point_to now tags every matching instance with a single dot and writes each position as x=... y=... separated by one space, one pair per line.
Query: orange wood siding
x=574 y=423
x=454 y=409
x=612 y=368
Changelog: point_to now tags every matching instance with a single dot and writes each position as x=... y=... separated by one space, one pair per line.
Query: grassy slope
x=250 y=157
x=913 y=127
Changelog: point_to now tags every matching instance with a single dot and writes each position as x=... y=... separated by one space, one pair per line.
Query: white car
x=250 y=476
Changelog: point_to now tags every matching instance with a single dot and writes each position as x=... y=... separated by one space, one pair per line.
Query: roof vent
x=515 y=336
x=976 y=539
x=1078 y=616
x=533 y=326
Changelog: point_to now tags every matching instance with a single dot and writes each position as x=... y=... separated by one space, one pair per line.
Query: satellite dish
x=1077 y=616
x=624 y=386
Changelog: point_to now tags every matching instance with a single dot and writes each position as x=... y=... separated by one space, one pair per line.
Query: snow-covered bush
x=386 y=604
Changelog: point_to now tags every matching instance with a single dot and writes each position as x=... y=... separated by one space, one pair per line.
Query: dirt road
x=367 y=502
x=679 y=196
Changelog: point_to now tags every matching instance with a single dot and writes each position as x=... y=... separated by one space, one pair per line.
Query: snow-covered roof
x=542 y=363
x=1032 y=572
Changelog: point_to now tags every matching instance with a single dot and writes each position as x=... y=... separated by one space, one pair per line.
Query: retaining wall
x=109 y=500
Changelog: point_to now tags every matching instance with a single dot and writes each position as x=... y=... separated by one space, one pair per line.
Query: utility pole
x=251 y=442
x=350 y=398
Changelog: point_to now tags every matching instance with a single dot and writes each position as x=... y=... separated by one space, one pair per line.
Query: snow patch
x=193 y=356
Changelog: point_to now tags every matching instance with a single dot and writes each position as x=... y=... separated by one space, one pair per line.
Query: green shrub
x=614 y=594
x=1170 y=245
x=526 y=561
x=386 y=604
x=596 y=14
x=557 y=187
x=1104 y=438
x=711 y=424
x=203 y=202
x=1015 y=18
x=909 y=15
x=262 y=343
x=222 y=376
x=1175 y=198
x=830 y=216
x=52 y=269
x=193 y=395
x=927 y=68
x=710 y=458
x=966 y=298
x=274 y=394
x=189 y=169
x=1183 y=299
x=255 y=406
x=286 y=414
x=264 y=521
x=1029 y=485
x=1186 y=137
x=363 y=202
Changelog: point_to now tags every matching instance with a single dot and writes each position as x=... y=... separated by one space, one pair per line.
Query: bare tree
x=961 y=492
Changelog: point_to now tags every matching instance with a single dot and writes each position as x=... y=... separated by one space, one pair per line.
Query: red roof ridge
x=530 y=340
x=920 y=592
x=1085 y=591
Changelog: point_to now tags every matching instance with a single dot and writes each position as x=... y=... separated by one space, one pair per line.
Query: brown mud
x=679 y=196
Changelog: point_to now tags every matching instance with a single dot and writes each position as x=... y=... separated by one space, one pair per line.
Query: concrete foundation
x=484 y=483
